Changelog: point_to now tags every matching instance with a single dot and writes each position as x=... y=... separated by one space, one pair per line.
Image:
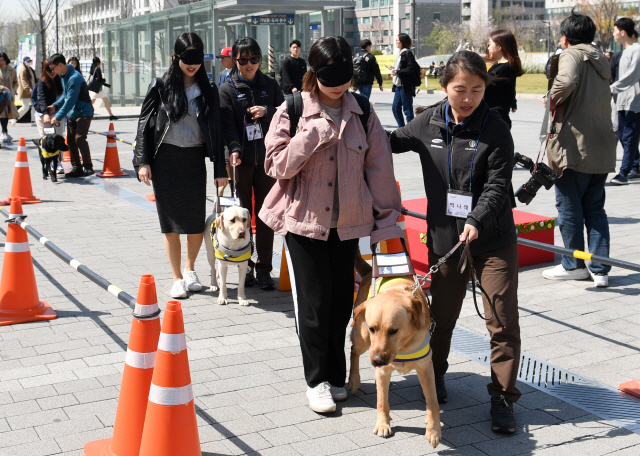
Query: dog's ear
x=218 y=221
x=415 y=307
x=358 y=311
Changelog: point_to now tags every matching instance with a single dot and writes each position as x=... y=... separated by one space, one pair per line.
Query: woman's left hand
x=222 y=181
x=470 y=232
x=393 y=72
x=257 y=111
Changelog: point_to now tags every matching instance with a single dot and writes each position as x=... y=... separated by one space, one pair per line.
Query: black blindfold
x=192 y=57
x=336 y=74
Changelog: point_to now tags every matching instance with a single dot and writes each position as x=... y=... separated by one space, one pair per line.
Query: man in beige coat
x=26 y=81
x=582 y=148
x=9 y=82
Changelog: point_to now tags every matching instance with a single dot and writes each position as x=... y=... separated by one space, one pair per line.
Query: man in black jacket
x=293 y=69
x=365 y=68
x=247 y=105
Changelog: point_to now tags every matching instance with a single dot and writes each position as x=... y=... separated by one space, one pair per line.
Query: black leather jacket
x=151 y=130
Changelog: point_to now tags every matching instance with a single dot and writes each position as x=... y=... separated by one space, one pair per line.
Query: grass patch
x=527 y=83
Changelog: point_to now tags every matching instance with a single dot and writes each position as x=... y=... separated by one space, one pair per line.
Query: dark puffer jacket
x=405 y=72
x=152 y=128
x=234 y=113
x=492 y=169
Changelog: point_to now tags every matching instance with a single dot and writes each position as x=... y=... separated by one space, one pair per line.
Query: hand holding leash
x=469 y=234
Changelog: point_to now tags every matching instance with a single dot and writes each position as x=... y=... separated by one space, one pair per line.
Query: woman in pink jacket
x=335 y=185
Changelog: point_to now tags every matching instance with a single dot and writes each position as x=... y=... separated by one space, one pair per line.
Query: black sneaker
x=264 y=279
x=88 y=171
x=75 y=172
x=441 y=389
x=250 y=279
x=502 y=418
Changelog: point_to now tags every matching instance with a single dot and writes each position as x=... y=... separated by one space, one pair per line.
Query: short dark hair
x=57 y=59
x=5 y=57
x=578 y=29
x=295 y=42
x=625 y=24
x=325 y=49
x=365 y=43
x=246 y=45
x=405 y=40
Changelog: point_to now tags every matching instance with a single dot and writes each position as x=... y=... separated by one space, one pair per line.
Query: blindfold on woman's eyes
x=192 y=57
x=336 y=74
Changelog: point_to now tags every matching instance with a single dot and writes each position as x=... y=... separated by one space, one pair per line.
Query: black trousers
x=322 y=283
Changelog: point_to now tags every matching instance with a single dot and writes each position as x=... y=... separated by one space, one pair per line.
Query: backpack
x=361 y=70
x=294 y=110
x=416 y=78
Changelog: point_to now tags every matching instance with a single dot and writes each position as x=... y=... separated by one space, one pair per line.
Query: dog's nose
x=378 y=360
x=241 y=233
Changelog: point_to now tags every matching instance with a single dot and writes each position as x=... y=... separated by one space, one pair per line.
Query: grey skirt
x=179 y=177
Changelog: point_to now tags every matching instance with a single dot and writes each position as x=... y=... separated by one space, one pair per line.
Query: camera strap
x=549 y=128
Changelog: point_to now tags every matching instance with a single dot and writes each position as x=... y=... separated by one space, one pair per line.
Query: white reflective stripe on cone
x=15 y=215
x=22 y=164
x=402 y=225
x=16 y=247
x=170 y=396
x=140 y=360
x=173 y=343
x=113 y=144
x=145 y=309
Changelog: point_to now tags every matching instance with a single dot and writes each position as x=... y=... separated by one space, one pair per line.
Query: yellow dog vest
x=46 y=154
x=425 y=348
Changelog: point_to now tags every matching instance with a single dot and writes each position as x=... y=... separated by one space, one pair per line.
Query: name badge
x=254 y=132
x=459 y=204
x=49 y=131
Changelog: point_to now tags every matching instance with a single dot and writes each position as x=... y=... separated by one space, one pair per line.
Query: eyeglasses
x=254 y=60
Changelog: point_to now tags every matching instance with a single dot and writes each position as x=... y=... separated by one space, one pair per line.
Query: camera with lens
x=541 y=175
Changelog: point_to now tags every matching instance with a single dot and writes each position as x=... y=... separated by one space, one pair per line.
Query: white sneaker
x=320 y=399
x=600 y=280
x=560 y=273
x=4 y=137
x=338 y=393
x=179 y=290
x=192 y=281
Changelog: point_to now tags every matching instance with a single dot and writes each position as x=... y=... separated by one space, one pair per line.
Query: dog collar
x=421 y=352
x=46 y=154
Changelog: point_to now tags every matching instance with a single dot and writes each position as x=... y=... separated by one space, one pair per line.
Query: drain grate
x=619 y=408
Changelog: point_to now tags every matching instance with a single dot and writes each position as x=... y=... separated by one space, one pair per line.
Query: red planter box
x=529 y=226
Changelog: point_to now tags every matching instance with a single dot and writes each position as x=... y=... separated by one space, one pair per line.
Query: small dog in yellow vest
x=396 y=325
x=229 y=242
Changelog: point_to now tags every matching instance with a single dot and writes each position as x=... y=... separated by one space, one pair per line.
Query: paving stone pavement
x=59 y=380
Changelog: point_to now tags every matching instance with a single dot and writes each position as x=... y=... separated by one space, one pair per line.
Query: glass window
x=528 y=4
x=384 y=18
x=384 y=2
x=348 y=34
x=385 y=33
x=365 y=3
x=436 y=16
x=365 y=34
x=506 y=4
x=374 y=3
x=407 y=16
x=539 y=4
x=366 y=20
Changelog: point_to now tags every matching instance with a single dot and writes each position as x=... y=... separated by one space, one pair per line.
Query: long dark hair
x=462 y=62
x=77 y=67
x=325 y=49
x=94 y=65
x=5 y=57
x=506 y=40
x=174 y=82
x=50 y=79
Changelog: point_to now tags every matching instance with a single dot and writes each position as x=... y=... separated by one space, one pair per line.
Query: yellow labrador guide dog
x=229 y=243
x=392 y=320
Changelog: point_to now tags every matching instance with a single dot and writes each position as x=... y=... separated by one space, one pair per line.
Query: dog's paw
x=354 y=385
x=383 y=430
x=243 y=302
x=213 y=288
x=433 y=436
x=223 y=301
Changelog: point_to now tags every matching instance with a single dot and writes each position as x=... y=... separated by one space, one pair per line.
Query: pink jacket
x=301 y=201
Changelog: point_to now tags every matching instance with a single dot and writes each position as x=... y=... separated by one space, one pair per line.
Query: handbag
x=94 y=84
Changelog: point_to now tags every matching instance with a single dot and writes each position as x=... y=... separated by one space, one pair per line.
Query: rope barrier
x=555 y=249
x=112 y=137
x=75 y=264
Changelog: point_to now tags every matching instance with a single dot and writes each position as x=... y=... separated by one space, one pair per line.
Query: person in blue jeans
x=367 y=71
x=582 y=148
x=403 y=88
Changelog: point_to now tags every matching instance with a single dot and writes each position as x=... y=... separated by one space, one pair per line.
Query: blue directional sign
x=273 y=19
x=315 y=27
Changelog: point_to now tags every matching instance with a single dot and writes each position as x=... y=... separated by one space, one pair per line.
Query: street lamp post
x=417 y=39
x=548 y=38
x=57 y=34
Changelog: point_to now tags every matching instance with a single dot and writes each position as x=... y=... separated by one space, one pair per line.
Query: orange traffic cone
x=111 y=160
x=170 y=426
x=632 y=387
x=136 y=378
x=395 y=245
x=19 y=302
x=21 y=185
x=151 y=196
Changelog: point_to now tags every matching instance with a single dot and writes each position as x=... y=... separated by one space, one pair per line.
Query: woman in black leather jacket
x=48 y=90
x=179 y=126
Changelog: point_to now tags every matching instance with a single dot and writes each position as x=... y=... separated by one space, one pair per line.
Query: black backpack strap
x=294 y=110
x=364 y=104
